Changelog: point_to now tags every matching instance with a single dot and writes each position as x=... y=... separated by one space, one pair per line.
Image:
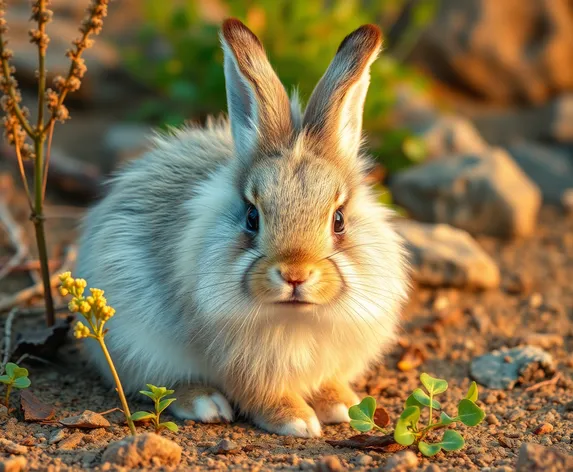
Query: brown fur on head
x=297 y=179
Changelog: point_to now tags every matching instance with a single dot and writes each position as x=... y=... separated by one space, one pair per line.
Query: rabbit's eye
x=252 y=219
x=338 y=222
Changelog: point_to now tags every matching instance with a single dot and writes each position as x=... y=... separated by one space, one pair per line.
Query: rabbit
x=250 y=265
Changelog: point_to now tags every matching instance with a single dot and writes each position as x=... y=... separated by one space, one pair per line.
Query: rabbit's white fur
x=162 y=244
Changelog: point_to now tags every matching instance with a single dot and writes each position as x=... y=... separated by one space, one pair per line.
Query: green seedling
x=157 y=394
x=408 y=431
x=365 y=416
x=15 y=377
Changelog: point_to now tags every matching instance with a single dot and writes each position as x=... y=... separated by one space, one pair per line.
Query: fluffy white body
x=167 y=246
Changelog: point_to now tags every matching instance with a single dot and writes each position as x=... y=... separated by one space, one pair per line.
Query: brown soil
x=450 y=326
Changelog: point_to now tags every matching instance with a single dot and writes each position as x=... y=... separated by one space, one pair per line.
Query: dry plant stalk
x=33 y=141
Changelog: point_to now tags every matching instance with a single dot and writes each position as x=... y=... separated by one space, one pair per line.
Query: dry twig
x=8 y=339
x=552 y=381
x=36 y=290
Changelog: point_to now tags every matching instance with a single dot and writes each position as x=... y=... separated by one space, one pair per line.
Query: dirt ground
x=450 y=326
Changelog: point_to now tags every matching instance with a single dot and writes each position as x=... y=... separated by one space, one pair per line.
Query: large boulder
x=510 y=51
x=445 y=256
x=551 y=169
x=483 y=193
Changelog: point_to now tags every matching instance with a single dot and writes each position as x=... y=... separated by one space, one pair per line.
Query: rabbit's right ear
x=259 y=108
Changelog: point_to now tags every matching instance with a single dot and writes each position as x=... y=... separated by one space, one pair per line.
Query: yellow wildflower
x=64 y=276
x=64 y=292
x=73 y=306
x=85 y=307
x=81 y=330
x=96 y=292
x=106 y=313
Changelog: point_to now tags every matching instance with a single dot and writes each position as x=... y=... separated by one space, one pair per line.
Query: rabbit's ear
x=259 y=108
x=333 y=117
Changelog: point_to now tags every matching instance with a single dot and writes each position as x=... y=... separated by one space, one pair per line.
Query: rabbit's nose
x=295 y=275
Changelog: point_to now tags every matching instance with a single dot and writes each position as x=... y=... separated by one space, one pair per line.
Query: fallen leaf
x=34 y=409
x=87 y=420
x=383 y=443
x=45 y=342
x=412 y=357
x=381 y=417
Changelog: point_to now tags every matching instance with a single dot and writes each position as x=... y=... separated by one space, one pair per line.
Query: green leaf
x=434 y=386
x=411 y=401
x=142 y=415
x=472 y=394
x=20 y=372
x=368 y=407
x=5 y=379
x=362 y=426
x=170 y=425
x=421 y=397
x=10 y=369
x=469 y=413
x=407 y=425
x=452 y=440
x=169 y=392
x=22 y=382
x=148 y=394
x=446 y=419
x=429 y=449
x=165 y=403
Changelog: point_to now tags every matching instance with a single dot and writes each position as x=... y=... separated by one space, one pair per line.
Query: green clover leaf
x=362 y=415
x=407 y=426
x=433 y=386
x=421 y=397
x=429 y=450
x=452 y=441
x=446 y=419
x=22 y=382
x=472 y=394
x=469 y=413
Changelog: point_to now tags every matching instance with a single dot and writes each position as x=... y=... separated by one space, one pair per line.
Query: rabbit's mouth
x=297 y=303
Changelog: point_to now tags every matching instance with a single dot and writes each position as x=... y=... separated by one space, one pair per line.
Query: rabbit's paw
x=203 y=404
x=301 y=428
x=331 y=402
x=290 y=416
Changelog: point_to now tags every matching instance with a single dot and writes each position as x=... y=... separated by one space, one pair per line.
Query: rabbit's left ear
x=333 y=117
x=259 y=108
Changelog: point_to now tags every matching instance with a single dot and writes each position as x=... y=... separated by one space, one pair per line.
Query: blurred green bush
x=178 y=55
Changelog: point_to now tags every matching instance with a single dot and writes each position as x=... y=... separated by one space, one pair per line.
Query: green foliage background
x=178 y=55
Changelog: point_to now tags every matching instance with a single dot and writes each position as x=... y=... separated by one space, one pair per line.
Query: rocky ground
x=451 y=327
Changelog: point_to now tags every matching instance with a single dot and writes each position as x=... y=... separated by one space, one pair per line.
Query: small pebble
x=330 y=464
x=544 y=428
x=57 y=436
x=226 y=446
x=491 y=419
x=11 y=447
x=515 y=414
x=13 y=464
x=71 y=442
x=364 y=459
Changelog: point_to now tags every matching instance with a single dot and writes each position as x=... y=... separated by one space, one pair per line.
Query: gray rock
x=536 y=458
x=447 y=135
x=550 y=169
x=483 y=193
x=502 y=369
x=143 y=450
x=445 y=256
